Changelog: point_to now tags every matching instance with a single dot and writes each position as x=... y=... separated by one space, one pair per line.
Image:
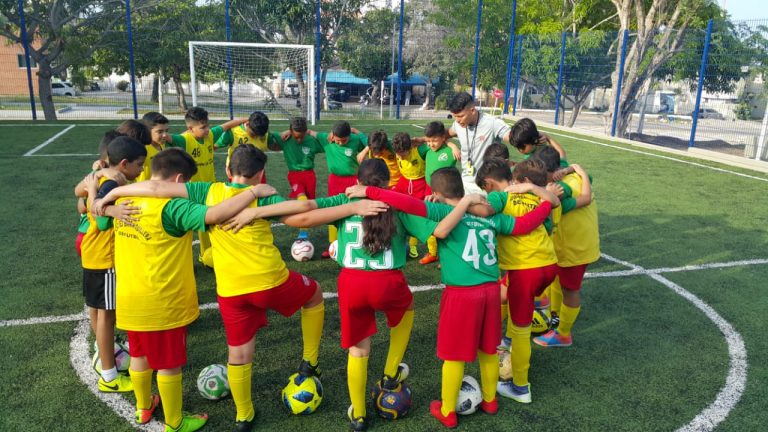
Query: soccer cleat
x=306 y=369
x=189 y=423
x=554 y=321
x=428 y=259
x=541 y=304
x=245 y=425
x=390 y=383
x=449 y=421
x=303 y=235
x=121 y=384
x=145 y=415
x=506 y=342
x=553 y=339
x=491 y=407
x=356 y=423
x=508 y=389
x=413 y=252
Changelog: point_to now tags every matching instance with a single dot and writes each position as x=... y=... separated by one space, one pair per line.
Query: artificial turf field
x=644 y=357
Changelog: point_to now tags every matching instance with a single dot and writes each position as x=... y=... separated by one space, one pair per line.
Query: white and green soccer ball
x=122 y=358
x=212 y=383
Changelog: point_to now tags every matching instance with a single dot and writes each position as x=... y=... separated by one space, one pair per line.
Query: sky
x=745 y=9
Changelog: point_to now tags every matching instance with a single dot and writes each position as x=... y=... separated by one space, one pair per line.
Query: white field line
x=65 y=155
x=736 y=381
x=660 y=156
x=48 y=141
x=79 y=357
x=640 y=271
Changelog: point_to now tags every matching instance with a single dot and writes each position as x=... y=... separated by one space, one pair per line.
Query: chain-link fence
x=402 y=60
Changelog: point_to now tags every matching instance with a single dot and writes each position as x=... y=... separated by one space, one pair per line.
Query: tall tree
x=64 y=32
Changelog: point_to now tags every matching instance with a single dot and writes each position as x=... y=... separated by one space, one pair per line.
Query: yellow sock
x=453 y=373
x=142 y=387
x=357 y=373
x=399 y=336
x=311 y=330
x=240 y=385
x=567 y=318
x=555 y=296
x=520 y=352
x=432 y=245
x=302 y=198
x=332 y=235
x=508 y=330
x=170 y=394
x=504 y=312
x=412 y=241
x=489 y=374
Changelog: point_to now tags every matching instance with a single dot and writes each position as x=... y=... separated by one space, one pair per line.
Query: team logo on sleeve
x=348 y=152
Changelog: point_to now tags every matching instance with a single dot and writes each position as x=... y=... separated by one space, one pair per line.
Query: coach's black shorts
x=99 y=288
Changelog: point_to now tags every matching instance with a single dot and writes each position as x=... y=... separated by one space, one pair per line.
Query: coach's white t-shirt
x=475 y=140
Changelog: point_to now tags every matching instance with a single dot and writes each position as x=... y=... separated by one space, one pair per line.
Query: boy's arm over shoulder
x=105 y=222
x=182 y=215
x=218 y=131
x=226 y=139
x=176 y=140
x=274 y=142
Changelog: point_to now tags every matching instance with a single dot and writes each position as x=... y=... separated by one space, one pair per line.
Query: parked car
x=63 y=89
x=337 y=94
x=709 y=113
x=94 y=86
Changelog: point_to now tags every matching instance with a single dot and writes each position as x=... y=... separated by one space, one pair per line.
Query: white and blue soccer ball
x=470 y=396
x=122 y=358
x=303 y=394
x=302 y=250
x=212 y=383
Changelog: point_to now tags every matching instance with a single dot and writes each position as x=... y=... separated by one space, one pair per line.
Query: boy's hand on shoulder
x=555 y=189
x=284 y=135
x=475 y=198
x=123 y=212
x=238 y=221
x=431 y=198
x=369 y=208
x=455 y=149
x=356 y=191
x=543 y=139
x=98 y=164
x=518 y=188
x=264 y=190
x=562 y=172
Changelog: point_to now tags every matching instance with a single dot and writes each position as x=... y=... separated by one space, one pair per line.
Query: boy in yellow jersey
x=412 y=164
x=158 y=129
x=126 y=156
x=157 y=299
x=379 y=147
x=577 y=244
x=529 y=260
x=198 y=140
x=255 y=132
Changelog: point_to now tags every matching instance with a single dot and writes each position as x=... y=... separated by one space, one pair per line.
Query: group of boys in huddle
x=536 y=222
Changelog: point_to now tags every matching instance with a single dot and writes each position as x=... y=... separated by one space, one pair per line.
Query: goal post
x=238 y=78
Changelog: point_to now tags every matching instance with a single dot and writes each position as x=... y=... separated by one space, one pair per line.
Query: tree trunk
x=575 y=113
x=46 y=95
x=428 y=95
x=179 y=91
x=155 y=93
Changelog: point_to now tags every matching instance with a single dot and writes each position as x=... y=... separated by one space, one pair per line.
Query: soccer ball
x=302 y=394
x=212 y=383
x=540 y=323
x=505 y=365
x=470 y=396
x=122 y=358
x=391 y=404
x=302 y=250
x=333 y=249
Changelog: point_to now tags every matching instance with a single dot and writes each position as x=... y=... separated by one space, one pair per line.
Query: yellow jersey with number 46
x=202 y=153
x=577 y=239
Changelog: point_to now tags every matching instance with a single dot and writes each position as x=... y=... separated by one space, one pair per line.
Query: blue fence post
x=318 y=57
x=702 y=71
x=130 y=57
x=25 y=43
x=517 y=73
x=625 y=37
x=560 y=78
x=400 y=59
x=477 y=46
x=510 y=57
x=228 y=28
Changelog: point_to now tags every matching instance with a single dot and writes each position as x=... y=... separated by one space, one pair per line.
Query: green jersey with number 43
x=468 y=254
x=350 y=251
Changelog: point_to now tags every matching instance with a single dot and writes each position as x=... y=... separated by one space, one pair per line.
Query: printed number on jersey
x=386 y=261
x=471 y=252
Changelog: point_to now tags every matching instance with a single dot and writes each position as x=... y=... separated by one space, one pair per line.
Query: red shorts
x=164 y=349
x=302 y=182
x=571 y=277
x=469 y=321
x=523 y=286
x=78 y=242
x=415 y=188
x=362 y=293
x=245 y=314
x=338 y=184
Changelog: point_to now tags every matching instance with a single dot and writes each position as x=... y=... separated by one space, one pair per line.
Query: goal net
x=229 y=78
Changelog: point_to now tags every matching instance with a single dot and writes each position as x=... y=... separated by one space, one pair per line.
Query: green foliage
x=122 y=85
x=743 y=110
x=365 y=50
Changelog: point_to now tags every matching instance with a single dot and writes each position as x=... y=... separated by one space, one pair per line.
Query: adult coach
x=476 y=131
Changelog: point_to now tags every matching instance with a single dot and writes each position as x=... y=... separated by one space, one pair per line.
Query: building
x=13 y=72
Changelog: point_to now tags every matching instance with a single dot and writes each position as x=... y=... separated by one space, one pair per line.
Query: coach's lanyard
x=470 y=144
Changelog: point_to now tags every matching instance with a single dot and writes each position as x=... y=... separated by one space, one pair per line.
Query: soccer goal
x=229 y=78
